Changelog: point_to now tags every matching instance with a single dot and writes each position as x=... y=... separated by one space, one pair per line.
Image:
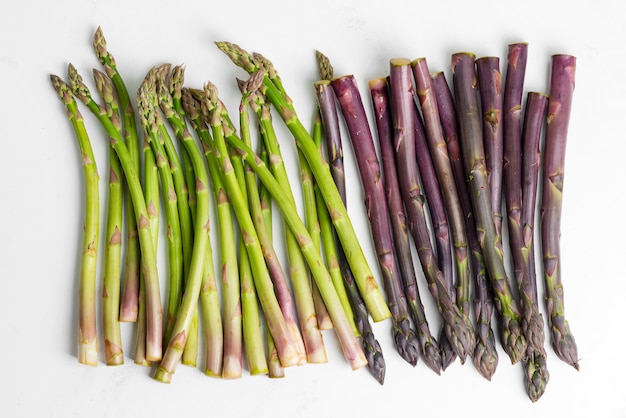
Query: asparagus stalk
x=154 y=313
x=353 y=111
x=286 y=349
x=490 y=90
x=151 y=193
x=113 y=352
x=230 y=268
x=434 y=201
x=439 y=220
x=371 y=292
x=536 y=104
x=537 y=376
x=313 y=344
x=87 y=332
x=201 y=278
x=310 y=345
x=335 y=257
x=465 y=88
x=485 y=356
x=327 y=118
x=185 y=214
x=429 y=347
x=176 y=167
x=458 y=330
x=275 y=369
x=129 y=301
x=443 y=168
x=150 y=119
x=559 y=109
x=312 y=222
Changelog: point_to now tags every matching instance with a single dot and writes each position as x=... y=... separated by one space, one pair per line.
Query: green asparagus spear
x=113 y=352
x=87 y=330
x=128 y=307
x=150 y=119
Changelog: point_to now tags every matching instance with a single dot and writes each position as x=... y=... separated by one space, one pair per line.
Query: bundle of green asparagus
x=448 y=159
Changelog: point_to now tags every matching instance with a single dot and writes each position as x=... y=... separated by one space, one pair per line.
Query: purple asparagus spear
x=559 y=109
x=485 y=354
x=429 y=348
x=353 y=111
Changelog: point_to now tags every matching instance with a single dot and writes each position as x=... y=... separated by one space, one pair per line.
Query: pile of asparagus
x=448 y=158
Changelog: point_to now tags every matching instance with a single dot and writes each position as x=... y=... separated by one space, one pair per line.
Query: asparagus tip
x=513 y=340
x=486 y=356
x=447 y=353
x=406 y=343
x=565 y=347
x=238 y=55
x=536 y=375
x=324 y=66
x=431 y=356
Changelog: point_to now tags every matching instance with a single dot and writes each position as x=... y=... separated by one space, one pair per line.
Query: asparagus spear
x=312 y=222
x=434 y=202
x=151 y=119
x=275 y=369
x=129 y=301
x=185 y=213
x=327 y=117
x=176 y=80
x=250 y=317
x=283 y=340
x=113 y=352
x=154 y=313
x=559 y=109
x=370 y=291
x=485 y=356
x=333 y=251
x=201 y=280
x=87 y=330
x=439 y=221
x=537 y=376
x=230 y=266
x=465 y=88
x=429 y=347
x=441 y=160
x=490 y=90
x=458 y=330
x=534 y=118
x=436 y=208
x=151 y=193
x=313 y=345
x=353 y=111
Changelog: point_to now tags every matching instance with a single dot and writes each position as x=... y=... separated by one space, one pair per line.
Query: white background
x=41 y=203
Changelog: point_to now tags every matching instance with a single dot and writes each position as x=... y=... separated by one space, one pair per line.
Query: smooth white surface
x=40 y=209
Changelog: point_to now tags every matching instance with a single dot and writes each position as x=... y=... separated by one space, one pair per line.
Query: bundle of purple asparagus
x=440 y=167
